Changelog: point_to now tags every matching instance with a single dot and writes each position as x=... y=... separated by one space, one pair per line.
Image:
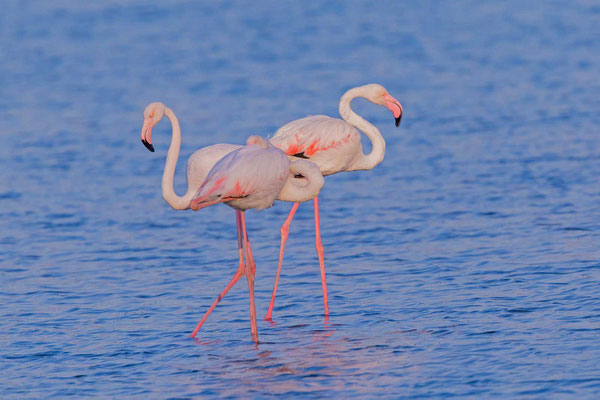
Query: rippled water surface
x=466 y=264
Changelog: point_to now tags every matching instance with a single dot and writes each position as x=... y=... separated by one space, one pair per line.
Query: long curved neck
x=178 y=203
x=302 y=189
x=366 y=161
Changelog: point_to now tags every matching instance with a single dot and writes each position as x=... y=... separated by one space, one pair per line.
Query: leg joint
x=320 y=248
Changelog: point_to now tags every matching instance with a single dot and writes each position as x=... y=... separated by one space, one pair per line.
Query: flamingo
x=254 y=176
x=242 y=177
x=334 y=145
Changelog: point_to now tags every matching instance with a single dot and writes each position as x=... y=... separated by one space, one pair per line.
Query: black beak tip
x=151 y=148
x=398 y=119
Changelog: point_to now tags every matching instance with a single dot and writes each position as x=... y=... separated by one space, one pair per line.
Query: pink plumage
x=334 y=145
x=331 y=143
x=252 y=177
x=249 y=177
x=246 y=177
x=243 y=181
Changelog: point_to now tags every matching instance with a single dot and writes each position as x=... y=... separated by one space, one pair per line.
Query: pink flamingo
x=334 y=145
x=254 y=176
x=244 y=177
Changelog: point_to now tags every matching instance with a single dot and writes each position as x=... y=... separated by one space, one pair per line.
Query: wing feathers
x=304 y=137
x=250 y=170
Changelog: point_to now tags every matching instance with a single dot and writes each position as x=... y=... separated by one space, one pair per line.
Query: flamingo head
x=152 y=114
x=379 y=95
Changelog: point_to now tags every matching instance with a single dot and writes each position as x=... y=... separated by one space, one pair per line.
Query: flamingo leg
x=239 y=273
x=250 y=271
x=321 y=255
x=285 y=229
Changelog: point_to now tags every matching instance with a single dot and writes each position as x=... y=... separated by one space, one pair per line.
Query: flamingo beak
x=395 y=107
x=147 y=134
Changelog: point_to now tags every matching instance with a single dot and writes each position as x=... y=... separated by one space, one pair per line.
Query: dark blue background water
x=466 y=264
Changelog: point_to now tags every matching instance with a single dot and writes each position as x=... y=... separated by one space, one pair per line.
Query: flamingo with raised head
x=242 y=177
x=334 y=145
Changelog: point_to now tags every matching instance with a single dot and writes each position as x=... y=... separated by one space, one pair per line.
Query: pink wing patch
x=314 y=147
x=202 y=197
x=237 y=190
x=293 y=148
x=216 y=186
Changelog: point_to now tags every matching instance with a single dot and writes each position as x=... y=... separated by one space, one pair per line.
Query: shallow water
x=467 y=264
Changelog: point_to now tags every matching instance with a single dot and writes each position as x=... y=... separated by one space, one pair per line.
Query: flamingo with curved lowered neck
x=334 y=145
x=243 y=177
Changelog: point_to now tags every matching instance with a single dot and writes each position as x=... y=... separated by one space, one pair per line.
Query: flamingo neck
x=302 y=189
x=365 y=161
x=176 y=202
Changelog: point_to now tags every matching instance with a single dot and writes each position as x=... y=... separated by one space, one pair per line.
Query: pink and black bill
x=398 y=120
x=395 y=107
x=151 y=148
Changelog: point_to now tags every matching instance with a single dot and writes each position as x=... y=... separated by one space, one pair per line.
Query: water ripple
x=464 y=265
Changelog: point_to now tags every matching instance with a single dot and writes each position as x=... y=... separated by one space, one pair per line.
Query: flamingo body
x=202 y=160
x=331 y=143
x=248 y=177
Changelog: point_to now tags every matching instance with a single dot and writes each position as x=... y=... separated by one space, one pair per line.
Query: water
x=467 y=264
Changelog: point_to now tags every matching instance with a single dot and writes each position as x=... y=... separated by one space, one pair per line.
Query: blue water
x=466 y=265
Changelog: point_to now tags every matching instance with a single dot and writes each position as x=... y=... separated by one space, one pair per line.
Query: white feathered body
x=331 y=143
x=203 y=160
x=248 y=177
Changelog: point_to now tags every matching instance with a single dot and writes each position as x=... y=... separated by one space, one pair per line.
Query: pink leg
x=250 y=271
x=321 y=254
x=285 y=229
x=239 y=273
